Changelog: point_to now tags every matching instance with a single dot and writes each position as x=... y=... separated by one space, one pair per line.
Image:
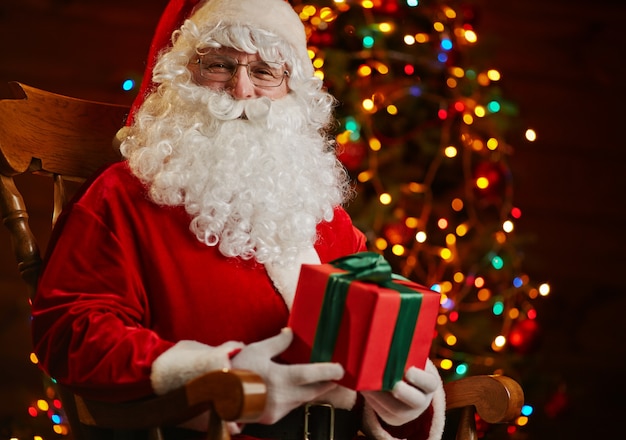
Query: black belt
x=312 y=422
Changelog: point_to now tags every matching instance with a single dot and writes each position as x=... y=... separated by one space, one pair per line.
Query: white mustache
x=225 y=108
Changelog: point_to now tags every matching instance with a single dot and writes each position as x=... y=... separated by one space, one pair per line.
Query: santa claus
x=183 y=258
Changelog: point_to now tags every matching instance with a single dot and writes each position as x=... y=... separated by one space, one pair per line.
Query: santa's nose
x=240 y=85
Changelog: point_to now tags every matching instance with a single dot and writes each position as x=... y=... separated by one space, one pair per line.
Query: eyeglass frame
x=236 y=64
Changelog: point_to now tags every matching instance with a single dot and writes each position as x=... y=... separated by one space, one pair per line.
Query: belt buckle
x=331 y=422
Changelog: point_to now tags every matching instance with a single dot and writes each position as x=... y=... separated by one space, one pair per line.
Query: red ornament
x=388 y=6
x=495 y=175
x=523 y=335
x=351 y=154
x=397 y=233
x=470 y=14
x=557 y=403
x=321 y=38
x=481 y=426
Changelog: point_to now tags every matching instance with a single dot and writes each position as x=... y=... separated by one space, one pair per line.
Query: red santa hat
x=275 y=16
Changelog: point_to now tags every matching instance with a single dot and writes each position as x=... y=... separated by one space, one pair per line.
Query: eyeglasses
x=222 y=68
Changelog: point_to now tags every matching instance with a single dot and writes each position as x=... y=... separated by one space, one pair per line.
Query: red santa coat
x=127 y=279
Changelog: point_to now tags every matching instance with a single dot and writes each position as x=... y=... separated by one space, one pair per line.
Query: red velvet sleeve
x=90 y=312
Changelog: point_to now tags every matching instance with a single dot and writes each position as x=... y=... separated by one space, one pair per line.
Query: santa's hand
x=407 y=400
x=288 y=386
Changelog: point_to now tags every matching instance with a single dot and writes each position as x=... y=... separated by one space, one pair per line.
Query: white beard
x=255 y=187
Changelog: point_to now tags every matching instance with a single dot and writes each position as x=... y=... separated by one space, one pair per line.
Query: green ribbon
x=373 y=268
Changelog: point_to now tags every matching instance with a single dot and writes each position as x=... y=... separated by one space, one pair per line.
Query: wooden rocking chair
x=69 y=139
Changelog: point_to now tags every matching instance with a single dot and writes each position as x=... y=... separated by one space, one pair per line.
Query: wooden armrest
x=232 y=394
x=497 y=399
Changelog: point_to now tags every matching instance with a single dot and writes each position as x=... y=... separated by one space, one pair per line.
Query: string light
x=493 y=106
x=128 y=85
x=43 y=405
x=375 y=144
x=493 y=75
x=498 y=343
x=470 y=36
x=450 y=151
x=422 y=38
x=483 y=294
x=497 y=262
x=492 y=144
x=498 y=308
x=385 y=198
x=461 y=369
x=446 y=364
x=508 y=226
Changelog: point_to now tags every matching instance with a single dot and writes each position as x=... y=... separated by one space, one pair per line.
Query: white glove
x=407 y=400
x=288 y=386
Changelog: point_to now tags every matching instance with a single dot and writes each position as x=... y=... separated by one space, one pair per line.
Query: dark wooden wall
x=562 y=64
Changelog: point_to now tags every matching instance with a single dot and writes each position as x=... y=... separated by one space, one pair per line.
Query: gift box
x=354 y=311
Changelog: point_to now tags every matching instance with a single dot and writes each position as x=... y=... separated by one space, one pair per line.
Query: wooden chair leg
x=15 y=218
x=467 y=424
x=218 y=429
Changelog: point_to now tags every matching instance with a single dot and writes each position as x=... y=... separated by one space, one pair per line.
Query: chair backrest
x=58 y=136
x=65 y=138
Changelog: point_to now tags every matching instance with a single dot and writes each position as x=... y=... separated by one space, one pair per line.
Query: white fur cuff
x=187 y=360
x=373 y=427
x=439 y=407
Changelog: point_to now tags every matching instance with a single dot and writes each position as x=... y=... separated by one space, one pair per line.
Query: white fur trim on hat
x=372 y=425
x=187 y=360
x=275 y=16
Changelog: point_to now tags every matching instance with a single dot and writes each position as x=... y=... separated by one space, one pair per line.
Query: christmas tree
x=423 y=129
